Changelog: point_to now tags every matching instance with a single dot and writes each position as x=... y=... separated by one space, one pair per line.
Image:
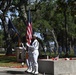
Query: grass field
x=62 y=55
x=9 y=61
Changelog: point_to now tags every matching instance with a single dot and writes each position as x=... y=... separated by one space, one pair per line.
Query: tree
x=1 y=38
x=43 y=20
x=48 y=17
x=14 y=5
x=64 y=8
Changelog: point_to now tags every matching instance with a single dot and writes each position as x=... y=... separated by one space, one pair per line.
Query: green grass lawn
x=8 y=61
x=52 y=54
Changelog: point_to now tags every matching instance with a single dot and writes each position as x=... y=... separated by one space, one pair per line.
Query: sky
x=32 y=1
x=0 y=19
x=0 y=27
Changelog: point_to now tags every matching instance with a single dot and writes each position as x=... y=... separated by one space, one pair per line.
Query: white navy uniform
x=34 y=53
x=29 y=63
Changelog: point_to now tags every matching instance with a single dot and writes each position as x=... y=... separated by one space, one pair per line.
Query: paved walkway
x=14 y=71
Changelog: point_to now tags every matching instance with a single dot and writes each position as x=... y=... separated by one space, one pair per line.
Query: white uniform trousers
x=35 y=60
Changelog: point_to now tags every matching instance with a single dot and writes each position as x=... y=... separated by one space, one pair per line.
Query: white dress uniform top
x=34 y=55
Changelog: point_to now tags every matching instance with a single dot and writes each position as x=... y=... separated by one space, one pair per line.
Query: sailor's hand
x=24 y=48
x=27 y=44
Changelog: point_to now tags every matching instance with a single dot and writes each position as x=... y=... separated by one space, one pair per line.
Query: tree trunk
x=8 y=45
x=23 y=15
x=55 y=39
x=4 y=8
x=9 y=48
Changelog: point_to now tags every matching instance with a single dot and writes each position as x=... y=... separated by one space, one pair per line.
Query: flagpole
x=29 y=26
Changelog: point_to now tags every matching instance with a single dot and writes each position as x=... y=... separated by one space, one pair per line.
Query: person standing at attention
x=35 y=53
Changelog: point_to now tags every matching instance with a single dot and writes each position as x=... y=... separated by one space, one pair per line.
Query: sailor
x=35 y=53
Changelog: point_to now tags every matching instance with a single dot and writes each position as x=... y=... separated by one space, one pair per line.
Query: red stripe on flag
x=29 y=32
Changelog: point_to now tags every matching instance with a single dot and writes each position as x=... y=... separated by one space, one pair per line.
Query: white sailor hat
x=35 y=35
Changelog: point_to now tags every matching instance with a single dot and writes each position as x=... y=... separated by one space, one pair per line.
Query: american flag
x=29 y=28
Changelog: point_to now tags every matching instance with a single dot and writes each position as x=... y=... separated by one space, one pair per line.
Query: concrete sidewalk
x=14 y=71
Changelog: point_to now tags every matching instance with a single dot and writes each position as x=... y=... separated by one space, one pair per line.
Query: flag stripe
x=29 y=29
